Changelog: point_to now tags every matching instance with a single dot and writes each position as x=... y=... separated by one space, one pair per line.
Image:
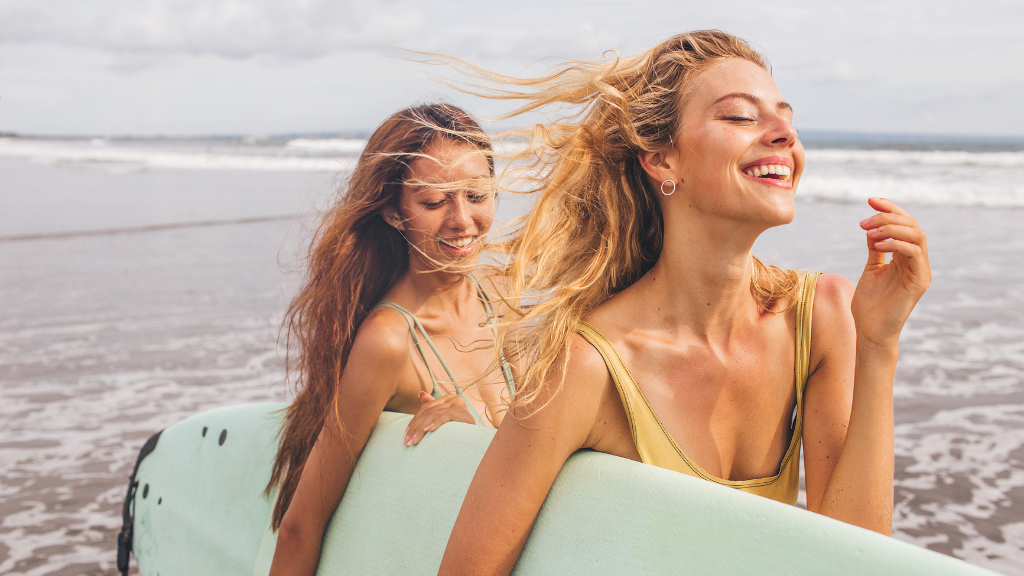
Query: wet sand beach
x=108 y=337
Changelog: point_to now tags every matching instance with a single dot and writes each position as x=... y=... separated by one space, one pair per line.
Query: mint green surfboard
x=199 y=509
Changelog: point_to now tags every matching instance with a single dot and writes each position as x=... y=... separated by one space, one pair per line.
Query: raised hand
x=433 y=413
x=888 y=291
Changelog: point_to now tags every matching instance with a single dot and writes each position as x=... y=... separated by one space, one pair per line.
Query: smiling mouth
x=769 y=172
x=459 y=243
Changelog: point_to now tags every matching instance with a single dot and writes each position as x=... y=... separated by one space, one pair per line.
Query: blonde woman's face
x=447 y=205
x=738 y=152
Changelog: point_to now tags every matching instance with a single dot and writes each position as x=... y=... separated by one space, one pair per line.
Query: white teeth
x=779 y=170
x=459 y=242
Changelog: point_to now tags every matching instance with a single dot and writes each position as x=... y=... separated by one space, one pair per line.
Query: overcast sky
x=263 y=67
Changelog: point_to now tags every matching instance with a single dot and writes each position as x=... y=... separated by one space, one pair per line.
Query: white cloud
x=228 y=28
x=139 y=32
x=141 y=65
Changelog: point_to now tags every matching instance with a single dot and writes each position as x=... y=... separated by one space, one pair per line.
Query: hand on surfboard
x=888 y=291
x=433 y=413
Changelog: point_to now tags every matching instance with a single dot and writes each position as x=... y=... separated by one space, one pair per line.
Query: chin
x=780 y=212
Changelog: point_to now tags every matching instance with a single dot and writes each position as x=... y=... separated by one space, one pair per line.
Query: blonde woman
x=658 y=336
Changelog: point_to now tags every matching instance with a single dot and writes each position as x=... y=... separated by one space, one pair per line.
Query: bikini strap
x=804 y=306
x=414 y=325
x=492 y=316
x=802 y=362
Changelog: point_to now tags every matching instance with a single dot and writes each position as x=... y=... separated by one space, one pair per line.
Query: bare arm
x=520 y=466
x=850 y=479
x=367 y=384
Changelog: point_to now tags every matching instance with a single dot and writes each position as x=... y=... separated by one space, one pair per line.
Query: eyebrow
x=753 y=100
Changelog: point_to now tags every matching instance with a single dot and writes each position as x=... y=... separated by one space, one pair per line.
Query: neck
x=431 y=286
x=702 y=278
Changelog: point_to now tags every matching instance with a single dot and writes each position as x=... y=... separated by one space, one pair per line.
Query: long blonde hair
x=597 y=227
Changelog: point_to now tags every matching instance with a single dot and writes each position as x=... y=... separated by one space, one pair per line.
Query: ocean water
x=142 y=281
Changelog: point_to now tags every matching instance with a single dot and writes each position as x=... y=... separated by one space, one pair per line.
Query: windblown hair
x=354 y=258
x=597 y=227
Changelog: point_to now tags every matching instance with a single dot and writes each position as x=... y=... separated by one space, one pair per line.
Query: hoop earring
x=673 y=187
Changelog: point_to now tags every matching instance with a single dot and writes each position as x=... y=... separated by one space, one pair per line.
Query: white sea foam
x=121 y=159
x=963 y=469
x=59 y=452
x=994 y=179
x=960 y=178
x=328 y=145
x=917 y=157
x=953 y=192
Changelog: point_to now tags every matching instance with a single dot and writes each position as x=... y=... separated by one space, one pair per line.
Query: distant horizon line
x=808 y=134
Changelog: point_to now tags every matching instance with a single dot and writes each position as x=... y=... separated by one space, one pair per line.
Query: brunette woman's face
x=447 y=204
x=738 y=152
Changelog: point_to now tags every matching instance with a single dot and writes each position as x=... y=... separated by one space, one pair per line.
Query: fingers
x=901 y=218
x=432 y=414
x=876 y=258
x=887 y=206
x=882 y=234
x=894 y=231
x=907 y=249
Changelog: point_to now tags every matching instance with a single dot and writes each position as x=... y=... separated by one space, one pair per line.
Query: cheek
x=483 y=214
x=799 y=160
x=704 y=152
x=423 y=221
x=484 y=220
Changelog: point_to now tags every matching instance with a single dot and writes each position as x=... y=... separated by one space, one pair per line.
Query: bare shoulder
x=832 y=297
x=585 y=373
x=832 y=328
x=382 y=337
x=568 y=407
x=586 y=368
x=832 y=287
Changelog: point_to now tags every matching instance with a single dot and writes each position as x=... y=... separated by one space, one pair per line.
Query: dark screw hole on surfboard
x=145 y=491
x=223 y=437
x=205 y=428
x=159 y=501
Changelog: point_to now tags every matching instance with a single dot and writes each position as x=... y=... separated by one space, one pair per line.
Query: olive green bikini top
x=415 y=326
x=656 y=446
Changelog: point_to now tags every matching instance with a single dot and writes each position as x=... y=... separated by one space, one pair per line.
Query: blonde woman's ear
x=659 y=167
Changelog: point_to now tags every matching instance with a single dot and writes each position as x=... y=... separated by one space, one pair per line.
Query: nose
x=782 y=132
x=459 y=216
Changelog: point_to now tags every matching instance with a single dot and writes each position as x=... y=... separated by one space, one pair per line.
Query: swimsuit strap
x=492 y=316
x=414 y=325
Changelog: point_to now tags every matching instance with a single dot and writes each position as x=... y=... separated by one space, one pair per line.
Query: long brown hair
x=597 y=226
x=354 y=258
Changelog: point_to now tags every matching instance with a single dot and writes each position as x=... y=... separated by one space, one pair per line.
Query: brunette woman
x=391 y=316
x=658 y=336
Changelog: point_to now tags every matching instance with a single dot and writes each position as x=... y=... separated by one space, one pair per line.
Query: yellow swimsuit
x=658 y=448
